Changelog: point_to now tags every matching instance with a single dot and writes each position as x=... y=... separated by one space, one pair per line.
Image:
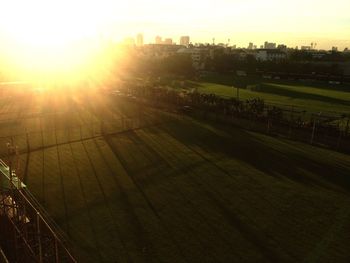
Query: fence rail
x=27 y=233
x=43 y=138
x=330 y=130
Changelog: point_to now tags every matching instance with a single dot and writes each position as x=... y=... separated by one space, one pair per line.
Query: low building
x=240 y=54
x=270 y=55
x=198 y=55
x=305 y=48
x=168 y=41
x=159 y=50
x=318 y=54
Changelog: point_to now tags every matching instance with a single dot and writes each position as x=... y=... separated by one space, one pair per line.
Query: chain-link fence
x=28 y=141
x=329 y=129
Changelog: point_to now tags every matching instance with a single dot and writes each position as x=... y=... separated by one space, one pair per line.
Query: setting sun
x=174 y=131
x=66 y=38
x=51 y=36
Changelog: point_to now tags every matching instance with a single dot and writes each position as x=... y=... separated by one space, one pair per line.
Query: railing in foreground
x=26 y=235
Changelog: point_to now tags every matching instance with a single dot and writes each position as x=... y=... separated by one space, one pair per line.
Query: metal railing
x=27 y=235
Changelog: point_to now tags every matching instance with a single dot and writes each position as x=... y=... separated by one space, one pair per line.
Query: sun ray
x=53 y=39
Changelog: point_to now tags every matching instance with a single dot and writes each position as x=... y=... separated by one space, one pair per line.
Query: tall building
x=139 y=39
x=268 y=45
x=168 y=41
x=185 y=40
x=158 y=40
x=251 y=45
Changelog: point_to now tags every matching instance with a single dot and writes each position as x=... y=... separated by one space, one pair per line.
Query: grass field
x=187 y=191
x=312 y=97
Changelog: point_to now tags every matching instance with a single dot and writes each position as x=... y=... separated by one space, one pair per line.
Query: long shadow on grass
x=256 y=238
x=240 y=145
x=268 y=88
x=243 y=146
x=318 y=85
x=231 y=79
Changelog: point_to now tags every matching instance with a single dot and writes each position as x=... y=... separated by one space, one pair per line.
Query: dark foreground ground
x=171 y=189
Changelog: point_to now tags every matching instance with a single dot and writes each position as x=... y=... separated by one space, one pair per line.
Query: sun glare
x=42 y=37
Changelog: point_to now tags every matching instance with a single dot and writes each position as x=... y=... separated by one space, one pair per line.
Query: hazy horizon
x=292 y=23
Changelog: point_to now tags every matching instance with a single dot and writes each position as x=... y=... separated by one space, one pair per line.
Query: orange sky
x=50 y=36
x=48 y=22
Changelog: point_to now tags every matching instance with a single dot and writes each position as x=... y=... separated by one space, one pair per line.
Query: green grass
x=188 y=191
x=311 y=97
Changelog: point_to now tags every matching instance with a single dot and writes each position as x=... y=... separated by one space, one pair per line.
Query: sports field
x=177 y=190
x=313 y=97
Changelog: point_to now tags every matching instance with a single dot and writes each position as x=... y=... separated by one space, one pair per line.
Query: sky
x=297 y=22
x=294 y=23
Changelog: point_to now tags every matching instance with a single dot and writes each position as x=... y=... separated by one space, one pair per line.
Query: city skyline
x=292 y=23
x=185 y=41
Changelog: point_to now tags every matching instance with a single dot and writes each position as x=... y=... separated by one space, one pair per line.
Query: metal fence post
x=313 y=132
x=347 y=127
x=291 y=122
x=314 y=127
x=56 y=251
x=39 y=237
x=339 y=138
